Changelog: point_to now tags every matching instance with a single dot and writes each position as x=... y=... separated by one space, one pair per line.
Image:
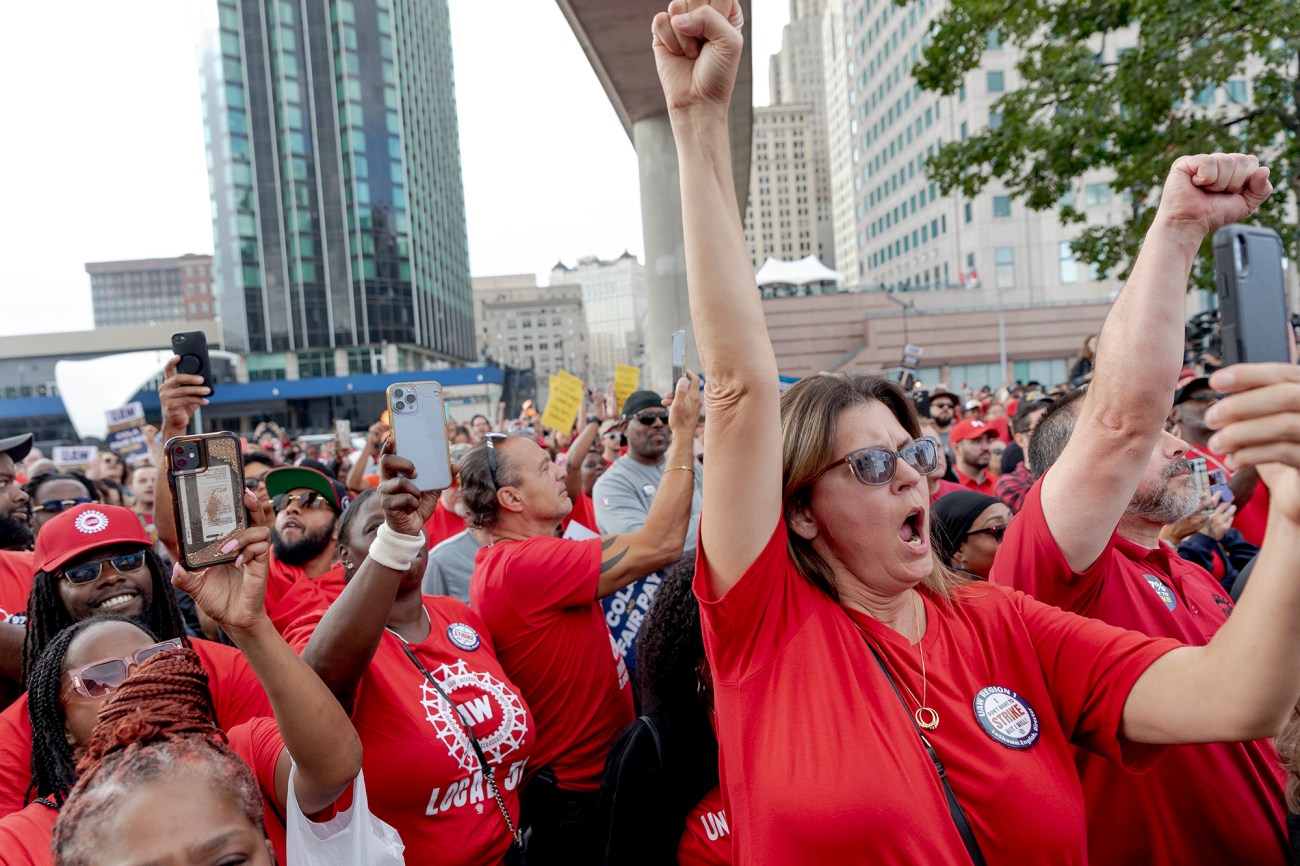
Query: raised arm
x=698 y=54
x=580 y=446
x=1120 y=420
x=318 y=736
x=630 y=557
x=180 y=395
x=356 y=480
x=1252 y=666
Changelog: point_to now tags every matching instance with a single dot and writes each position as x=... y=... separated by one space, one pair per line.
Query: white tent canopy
x=777 y=272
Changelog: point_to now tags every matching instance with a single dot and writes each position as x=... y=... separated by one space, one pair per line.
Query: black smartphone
x=192 y=347
x=206 y=477
x=679 y=356
x=1252 y=295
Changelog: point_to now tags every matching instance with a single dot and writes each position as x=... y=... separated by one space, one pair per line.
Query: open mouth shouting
x=912 y=532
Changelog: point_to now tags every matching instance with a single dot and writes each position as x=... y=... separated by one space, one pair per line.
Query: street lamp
x=906 y=305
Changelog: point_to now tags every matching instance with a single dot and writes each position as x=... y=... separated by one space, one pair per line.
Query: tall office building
x=521 y=324
x=781 y=212
x=892 y=228
x=143 y=291
x=334 y=164
x=614 y=298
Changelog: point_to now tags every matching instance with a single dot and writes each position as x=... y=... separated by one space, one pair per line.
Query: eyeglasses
x=106 y=676
x=309 y=501
x=996 y=531
x=89 y=571
x=54 y=506
x=490 y=440
x=649 y=418
x=943 y=404
x=252 y=483
x=877 y=465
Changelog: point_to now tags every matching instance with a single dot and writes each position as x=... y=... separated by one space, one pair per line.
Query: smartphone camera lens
x=399 y=405
x=179 y=449
x=182 y=462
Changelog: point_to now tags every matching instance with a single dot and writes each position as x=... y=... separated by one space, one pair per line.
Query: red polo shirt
x=1203 y=804
x=988 y=488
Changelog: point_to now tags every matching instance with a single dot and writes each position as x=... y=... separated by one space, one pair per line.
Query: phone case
x=208 y=502
x=1252 y=295
x=192 y=347
x=416 y=414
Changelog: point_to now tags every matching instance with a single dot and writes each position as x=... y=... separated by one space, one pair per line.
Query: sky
x=104 y=159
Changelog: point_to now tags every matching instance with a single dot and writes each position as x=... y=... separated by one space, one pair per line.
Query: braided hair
x=53 y=769
x=47 y=615
x=156 y=726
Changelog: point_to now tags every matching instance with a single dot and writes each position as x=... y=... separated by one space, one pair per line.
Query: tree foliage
x=1112 y=85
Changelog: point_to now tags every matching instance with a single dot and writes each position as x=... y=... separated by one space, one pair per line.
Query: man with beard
x=305 y=574
x=15 y=563
x=1087 y=538
x=15 y=531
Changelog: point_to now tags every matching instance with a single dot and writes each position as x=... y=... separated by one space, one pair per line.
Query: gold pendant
x=926 y=718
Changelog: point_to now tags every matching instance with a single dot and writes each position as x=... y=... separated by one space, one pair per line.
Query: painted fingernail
x=230 y=545
x=239 y=561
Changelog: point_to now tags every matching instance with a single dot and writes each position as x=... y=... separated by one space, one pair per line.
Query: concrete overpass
x=615 y=35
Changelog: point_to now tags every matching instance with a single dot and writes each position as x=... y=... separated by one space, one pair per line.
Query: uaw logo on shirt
x=1162 y=589
x=488 y=702
x=1006 y=717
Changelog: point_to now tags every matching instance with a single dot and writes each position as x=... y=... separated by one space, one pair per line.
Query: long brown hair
x=810 y=413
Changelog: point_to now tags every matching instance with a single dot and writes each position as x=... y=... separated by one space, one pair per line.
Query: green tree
x=1126 y=86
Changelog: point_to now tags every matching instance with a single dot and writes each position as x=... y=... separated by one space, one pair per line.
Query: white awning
x=807 y=270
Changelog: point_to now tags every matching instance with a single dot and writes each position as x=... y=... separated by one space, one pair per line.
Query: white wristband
x=395 y=550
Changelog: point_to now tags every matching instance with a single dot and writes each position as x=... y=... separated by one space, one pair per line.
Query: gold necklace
x=927 y=718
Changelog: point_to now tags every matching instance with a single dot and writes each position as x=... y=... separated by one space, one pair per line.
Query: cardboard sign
x=73 y=458
x=564 y=402
x=626 y=379
x=126 y=433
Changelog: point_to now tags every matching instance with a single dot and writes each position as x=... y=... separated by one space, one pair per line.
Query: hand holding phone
x=206 y=476
x=417 y=416
x=192 y=348
x=1252 y=295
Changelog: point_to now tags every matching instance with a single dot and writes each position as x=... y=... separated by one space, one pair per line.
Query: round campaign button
x=463 y=636
x=1006 y=717
x=1166 y=594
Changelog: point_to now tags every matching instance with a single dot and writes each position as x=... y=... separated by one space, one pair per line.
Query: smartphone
x=1252 y=295
x=206 y=476
x=416 y=416
x=1200 y=479
x=343 y=433
x=679 y=357
x=192 y=347
x=1219 y=484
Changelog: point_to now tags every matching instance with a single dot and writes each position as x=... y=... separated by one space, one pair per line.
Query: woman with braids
x=93 y=559
x=446 y=733
x=88 y=663
x=659 y=801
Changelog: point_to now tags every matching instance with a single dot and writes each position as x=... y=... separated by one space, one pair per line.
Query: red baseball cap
x=86 y=527
x=970 y=428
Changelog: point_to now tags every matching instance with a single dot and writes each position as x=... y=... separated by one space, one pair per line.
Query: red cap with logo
x=970 y=428
x=85 y=527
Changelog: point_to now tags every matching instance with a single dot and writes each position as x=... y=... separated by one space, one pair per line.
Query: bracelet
x=690 y=469
x=395 y=550
x=592 y=419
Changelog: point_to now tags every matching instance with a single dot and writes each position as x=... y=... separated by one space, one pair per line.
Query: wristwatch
x=592 y=419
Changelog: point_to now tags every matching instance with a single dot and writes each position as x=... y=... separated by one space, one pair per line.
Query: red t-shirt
x=25 y=836
x=259 y=743
x=16 y=572
x=442 y=524
x=820 y=763
x=236 y=696
x=1252 y=518
x=988 y=488
x=945 y=487
x=706 y=841
x=1209 y=803
x=584 y=512
x=538 y=598
x=422 y=775
x=291 y=594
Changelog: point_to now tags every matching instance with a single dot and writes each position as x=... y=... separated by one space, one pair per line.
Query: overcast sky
x=103 y=147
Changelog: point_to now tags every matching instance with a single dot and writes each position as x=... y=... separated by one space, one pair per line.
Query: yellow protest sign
x=563 y=402
x=626 y=378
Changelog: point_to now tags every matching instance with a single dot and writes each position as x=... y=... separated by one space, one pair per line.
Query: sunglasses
x=996 y=531
x=490 y=441
x=54 y=506
x=877 y=465
x=252 y=483
x=89 y=571
x=309 y=501
x=649 y=418
x=943 y=404
x=106 y=676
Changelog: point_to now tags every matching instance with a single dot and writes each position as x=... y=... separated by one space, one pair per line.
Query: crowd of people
x=936 y=625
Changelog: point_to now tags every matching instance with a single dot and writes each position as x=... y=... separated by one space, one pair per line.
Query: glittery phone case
x=207 y=500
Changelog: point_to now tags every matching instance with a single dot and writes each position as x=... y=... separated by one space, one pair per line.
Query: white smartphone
x=679 y=357
x=419 y=431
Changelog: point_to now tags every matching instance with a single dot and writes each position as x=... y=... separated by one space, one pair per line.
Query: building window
x=1236 y=90
x=967 y=209
x=1069 y=267
x=997 y=80
x=1001 y=206
x=1095 y=194
x=995 y=120
x=1005 y=260
x=314 y=364
x=1206 y=95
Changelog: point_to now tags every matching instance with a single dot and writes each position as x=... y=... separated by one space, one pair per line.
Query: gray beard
x=1159 y=504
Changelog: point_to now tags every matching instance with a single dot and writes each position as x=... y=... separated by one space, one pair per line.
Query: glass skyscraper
x=334 y=166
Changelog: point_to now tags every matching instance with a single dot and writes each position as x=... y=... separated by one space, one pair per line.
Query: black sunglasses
x=877 y=465
x=489 y=440
x=251 y=483
x=943 y=404
x=996 y=531
x=89 y=571
x=649 y=418
x=54 y=506
x=309 y=501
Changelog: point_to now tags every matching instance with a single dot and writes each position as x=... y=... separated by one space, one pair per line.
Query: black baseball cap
x=17 y=447
x=639 y=401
